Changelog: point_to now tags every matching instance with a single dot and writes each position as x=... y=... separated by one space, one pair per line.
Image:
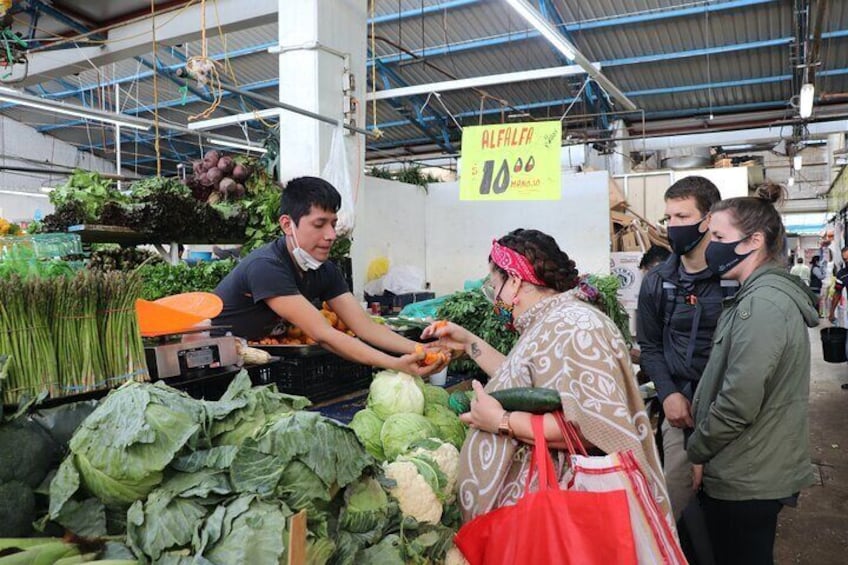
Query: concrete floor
x=816 y=532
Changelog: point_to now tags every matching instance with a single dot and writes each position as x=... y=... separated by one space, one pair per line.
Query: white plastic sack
x=404 y=280
x=337 y=174
x=375 y=287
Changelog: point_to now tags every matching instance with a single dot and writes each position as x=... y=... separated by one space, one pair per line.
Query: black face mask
x=684 y=239
x=722 y=257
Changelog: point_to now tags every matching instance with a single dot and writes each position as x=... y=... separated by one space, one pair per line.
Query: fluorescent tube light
x=797 y=162
x=14 y=97
x=544 y=27
x=805 y=102
x=243 y=146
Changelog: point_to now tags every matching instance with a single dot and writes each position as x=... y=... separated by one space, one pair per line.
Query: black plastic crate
x=317 y=375
x=390 y=301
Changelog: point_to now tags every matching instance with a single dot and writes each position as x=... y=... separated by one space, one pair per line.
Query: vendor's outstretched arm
x=300 y=312
x=378 y=335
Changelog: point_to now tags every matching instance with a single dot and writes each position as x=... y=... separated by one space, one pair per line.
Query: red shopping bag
x=551 y=525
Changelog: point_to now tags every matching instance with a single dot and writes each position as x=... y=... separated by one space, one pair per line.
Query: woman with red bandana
x=565 y=344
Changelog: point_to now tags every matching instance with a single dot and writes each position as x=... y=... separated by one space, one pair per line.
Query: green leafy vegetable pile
x=193 y=481
x=472 y=311
x=162 y=279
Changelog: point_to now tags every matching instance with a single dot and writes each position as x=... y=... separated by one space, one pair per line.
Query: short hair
x=844 y=249
x=301 y=194
x=800 y=260
x=704 y=192
x=654 y=256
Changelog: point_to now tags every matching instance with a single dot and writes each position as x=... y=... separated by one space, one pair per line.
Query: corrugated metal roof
x=473 y=38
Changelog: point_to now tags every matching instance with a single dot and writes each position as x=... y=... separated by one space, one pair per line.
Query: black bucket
x=833 y=344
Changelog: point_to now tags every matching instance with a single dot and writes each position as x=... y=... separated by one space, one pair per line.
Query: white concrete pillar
x=311 y=78
x=835 y=142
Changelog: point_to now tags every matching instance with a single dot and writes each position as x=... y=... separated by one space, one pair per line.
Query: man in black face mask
x=679 y=306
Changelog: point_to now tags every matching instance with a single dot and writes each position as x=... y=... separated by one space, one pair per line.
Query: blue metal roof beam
x=424 y=11
x=597 y=102
x=166 y=104
x=454 y=48
x=149 y=74
x=418 y=104
x=654 y=92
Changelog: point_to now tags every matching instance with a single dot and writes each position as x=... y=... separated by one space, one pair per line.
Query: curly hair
x=551 y=264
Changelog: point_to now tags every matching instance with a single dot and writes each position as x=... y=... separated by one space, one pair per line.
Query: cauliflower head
x=446 y=457
x=414 y=494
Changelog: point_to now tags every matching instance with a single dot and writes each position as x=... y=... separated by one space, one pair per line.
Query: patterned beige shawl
x=570 y=346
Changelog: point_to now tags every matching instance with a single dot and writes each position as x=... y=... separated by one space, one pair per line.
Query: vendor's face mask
x=303 y=259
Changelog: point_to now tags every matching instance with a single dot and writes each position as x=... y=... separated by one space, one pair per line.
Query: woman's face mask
x=503 y=310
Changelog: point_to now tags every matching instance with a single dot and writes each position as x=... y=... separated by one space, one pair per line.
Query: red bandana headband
x=514 y=263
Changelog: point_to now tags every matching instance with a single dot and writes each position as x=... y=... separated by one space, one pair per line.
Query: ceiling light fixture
x=244 y=146
x=805 y=101
x=544 y=27
x=791 y=181
x=14 y=97
x=797 y=162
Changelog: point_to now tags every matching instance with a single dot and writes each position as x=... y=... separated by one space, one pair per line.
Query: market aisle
x=816 y=532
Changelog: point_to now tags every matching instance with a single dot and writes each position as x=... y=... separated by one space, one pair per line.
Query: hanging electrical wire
x=156 y=146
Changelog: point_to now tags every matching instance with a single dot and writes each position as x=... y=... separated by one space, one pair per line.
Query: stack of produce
x=408 y=425
x=8 y=228
x=296 y=336
x=219 y=177
x=191 y=481
x=69 y=334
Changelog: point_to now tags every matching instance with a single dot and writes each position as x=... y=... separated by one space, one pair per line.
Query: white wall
x=645 y=191
x=22 y=146
x=450 y=239
x=460 y=233
x=390 y=219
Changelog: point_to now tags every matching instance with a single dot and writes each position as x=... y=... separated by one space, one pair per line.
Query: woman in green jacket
x=750 y=443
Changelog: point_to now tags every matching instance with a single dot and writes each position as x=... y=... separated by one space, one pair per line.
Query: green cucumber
x=522 y=399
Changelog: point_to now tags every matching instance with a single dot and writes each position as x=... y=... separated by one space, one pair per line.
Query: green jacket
x=750 y=409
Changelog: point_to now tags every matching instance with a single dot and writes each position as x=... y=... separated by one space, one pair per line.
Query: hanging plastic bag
x=336 y=172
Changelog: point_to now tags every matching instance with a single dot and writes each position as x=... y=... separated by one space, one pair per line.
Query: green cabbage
x=395 y=393
x=401 y=430
x=120 y=451
x=367 y=425
x=451 y=429
x=434 y=395
x=366 y=507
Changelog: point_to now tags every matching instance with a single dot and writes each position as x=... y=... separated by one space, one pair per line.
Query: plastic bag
x=337 y=174
x=404 y=280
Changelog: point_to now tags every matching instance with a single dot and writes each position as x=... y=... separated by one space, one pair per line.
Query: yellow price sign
x=511 y=162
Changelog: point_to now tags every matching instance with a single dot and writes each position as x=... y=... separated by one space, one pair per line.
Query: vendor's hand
x=486 y=412
x=678 y=411
x=697 y=477
x=450 y=335
x=411 y=364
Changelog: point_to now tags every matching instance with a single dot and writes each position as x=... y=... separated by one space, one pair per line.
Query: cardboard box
x=625 y=265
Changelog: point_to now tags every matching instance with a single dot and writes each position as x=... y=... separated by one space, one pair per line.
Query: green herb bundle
x=25 y=335
x=76 y=333
x=123 y=351
x=161 y=279
x=472 y=311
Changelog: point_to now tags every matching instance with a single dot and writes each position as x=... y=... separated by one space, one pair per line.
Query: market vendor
x=284 y=283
